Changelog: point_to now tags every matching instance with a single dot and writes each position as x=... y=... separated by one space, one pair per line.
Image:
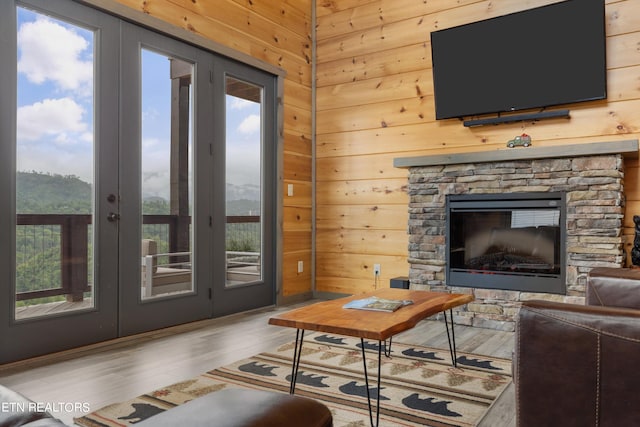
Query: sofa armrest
x=613 y=287
x=576 y=365
x=17 y=410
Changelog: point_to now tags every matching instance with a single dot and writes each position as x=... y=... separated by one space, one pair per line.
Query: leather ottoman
x=245 y=408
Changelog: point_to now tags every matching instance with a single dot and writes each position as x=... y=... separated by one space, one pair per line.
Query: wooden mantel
x=628 y=147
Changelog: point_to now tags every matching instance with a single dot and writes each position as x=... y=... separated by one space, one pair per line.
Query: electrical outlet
x=289 y=190
x=376 y=270
x=300 y=266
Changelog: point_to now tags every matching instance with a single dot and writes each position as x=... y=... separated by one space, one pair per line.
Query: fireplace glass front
x=507 y=241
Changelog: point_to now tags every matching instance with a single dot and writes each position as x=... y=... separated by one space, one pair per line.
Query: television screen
x=550 y=55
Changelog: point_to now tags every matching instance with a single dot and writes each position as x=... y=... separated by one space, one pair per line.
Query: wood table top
x=331 y=317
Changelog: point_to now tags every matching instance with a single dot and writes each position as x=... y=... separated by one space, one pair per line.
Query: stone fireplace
x=589 y=178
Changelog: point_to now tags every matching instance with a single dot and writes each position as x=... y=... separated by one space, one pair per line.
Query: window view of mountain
x=40 y=193
x=38 y=257
x=44 y=193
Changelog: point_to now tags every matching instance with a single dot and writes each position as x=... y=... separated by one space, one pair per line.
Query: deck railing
x=72 y=237
x=65 y=240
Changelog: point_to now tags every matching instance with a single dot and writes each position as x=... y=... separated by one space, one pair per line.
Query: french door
x=243 y=231
x=58 y=251
x=121 y=153
x=165 y=129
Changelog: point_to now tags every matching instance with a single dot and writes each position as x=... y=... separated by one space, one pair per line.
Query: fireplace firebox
x=510 y=241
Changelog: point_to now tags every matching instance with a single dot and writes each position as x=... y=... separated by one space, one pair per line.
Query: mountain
x=243 y=199
x=243 y=192
x=40 y=193
x=49 y=193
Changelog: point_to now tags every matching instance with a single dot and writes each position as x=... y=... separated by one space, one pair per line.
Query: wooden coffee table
x=331 y=317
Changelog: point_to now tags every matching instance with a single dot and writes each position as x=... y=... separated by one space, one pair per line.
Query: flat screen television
x=537 y=58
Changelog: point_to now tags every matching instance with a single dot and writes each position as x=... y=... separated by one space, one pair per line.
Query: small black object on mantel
x=635 y=252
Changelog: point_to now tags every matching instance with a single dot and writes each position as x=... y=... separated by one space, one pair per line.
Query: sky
x=55 y=123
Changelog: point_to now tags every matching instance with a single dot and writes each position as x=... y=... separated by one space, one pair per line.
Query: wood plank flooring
x=111 y=372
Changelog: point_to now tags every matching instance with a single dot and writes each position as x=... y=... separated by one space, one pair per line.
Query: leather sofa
x=578 y=365
x=16 y=410
x=614 y=287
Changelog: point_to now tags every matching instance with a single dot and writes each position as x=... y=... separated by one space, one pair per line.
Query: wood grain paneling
x=297 y=94
x=297 y=167
x=295 y=15
x=623 y=84
x=338 y=169
x=362 y=217
x=361 y=67
x=377 y=116
x=297 y=142
x=370 y=192
x=235 y=17
x=297 y=241
x=396 y=139
x=297 y=218
x=632 y=193
x=367 y=242
x=375 y=103
x=296 y=283
x=297 y=118
x=381 y=38
x=359 y=267
x=414 y=84
x=301 y=195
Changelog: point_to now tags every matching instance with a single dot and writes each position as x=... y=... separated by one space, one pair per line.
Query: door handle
x=113 y=217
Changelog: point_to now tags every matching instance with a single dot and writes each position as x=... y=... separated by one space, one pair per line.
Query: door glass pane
x=167 y=175
x=54 y=166
x=243 y=182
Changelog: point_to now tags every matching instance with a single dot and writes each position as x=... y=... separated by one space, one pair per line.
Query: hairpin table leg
x=366 y=380
x=297 y=352
x=451 y=338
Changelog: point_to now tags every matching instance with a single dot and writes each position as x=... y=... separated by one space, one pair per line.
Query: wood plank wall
x=375 y=103
x=278 y=33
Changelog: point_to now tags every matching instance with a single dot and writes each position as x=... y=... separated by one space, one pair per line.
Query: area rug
x=419 y=385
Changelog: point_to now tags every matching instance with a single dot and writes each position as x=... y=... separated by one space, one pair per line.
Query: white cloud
x=151 y=114
x=49 y=51
x=156 y=184
x=240 y=104
x=78 y=163
x=52 y=117
x=250 y=125
x=156 y=155
x=149 y=143
x=243 y=165
x=87 y=137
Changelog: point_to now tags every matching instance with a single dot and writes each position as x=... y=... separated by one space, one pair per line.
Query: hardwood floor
x=111 y=372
